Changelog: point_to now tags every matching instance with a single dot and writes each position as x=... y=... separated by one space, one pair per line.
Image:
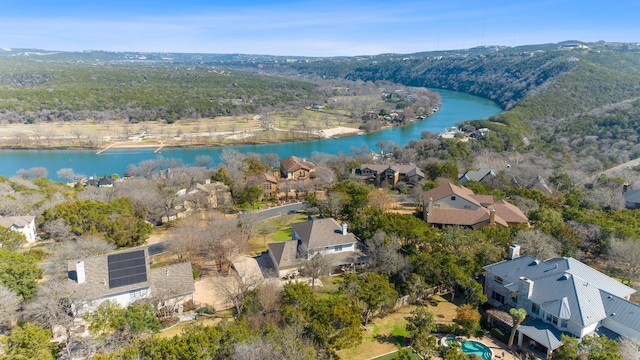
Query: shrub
x=196 y=273
x=208 y=310
x=500 y=335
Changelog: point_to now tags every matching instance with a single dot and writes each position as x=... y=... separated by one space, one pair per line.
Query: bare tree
x=80 y=248
x=537 y=244
x=52 y=308
x=316 y=266
x=629 y=348
x=623 y=257
x=66 y=174
x=57 y=229
x=9 y=306
x=204 y=161
x=256 y=349
x=187 y=239
x=384 y=255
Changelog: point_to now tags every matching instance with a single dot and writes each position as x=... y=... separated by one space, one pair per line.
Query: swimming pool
x=473 y=347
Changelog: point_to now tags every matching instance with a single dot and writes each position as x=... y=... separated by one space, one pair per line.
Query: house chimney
x=514 y=251
x=344 y=228
x=430 y=206
x=80 y=275
x=625 y=187
x=492 y=216
x=525 y=287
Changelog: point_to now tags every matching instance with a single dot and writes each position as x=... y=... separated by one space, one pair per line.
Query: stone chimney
x=492 y=216
x=514 y=251
x=525 y=287
x=81 y=277
x=344 y=228
x=430 y=206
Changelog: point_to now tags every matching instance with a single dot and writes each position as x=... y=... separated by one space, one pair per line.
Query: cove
x=456 y=107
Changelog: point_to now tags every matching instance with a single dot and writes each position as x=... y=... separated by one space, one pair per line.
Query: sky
x=310 y=28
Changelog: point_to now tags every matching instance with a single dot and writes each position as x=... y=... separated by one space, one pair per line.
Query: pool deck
x=497 y=347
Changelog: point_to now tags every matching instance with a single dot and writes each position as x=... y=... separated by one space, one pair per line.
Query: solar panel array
x=127 y=268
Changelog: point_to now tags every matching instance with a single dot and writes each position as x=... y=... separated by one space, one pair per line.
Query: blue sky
x=310 y=28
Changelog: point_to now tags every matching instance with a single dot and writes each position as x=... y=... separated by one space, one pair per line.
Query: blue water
x=475 y=348
x=455 y=107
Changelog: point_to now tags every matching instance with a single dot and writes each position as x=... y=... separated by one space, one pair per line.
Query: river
x=456 y=107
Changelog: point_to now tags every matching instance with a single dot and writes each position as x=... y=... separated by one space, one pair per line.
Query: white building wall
x=28 y=230
x=332 y=249
x=621 y=329
x=588 y=329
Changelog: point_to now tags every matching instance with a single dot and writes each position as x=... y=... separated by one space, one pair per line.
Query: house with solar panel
x=560 y=295
x=126 y=277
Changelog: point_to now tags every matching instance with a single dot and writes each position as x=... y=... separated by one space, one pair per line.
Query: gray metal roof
x=564 y=287
x=621 y=311
x=542 y=333
x=632 y=196
x=476 y=175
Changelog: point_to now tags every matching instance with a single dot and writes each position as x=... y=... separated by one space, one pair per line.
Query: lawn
x=384 y=335
x=392 y=356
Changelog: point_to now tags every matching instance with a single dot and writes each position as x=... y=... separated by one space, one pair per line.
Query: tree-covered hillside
x=46 y=91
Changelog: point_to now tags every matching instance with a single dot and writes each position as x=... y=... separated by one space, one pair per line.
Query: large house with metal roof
x=316 y=236
x=126 y=277
x=561 y=295
x=449 y=204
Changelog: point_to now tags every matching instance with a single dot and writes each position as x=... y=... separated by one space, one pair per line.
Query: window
x=564 y=323
x=498 y=297
x=535 y=308
x=453 y=198
x=338 y=248
x=498 y=279
x=552 y=319
x=301 y=174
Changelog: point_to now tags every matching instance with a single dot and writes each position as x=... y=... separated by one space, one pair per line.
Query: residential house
x=481 y=175
x=561 y=295
x=316 y=236
x=126 y=277
x=293 y=167
x=22 y=224
x=449 y=204
x=631 y=197
x=389 y=175
x=218 y=194
x=267 y=182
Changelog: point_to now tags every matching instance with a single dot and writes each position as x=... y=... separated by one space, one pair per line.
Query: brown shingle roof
x=462 y=217
x=449 y=189
x=293 y=163
x=509 y=212
x=320 y=233
x=262 y=178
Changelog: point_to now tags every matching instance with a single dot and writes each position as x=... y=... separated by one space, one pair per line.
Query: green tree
x=116 y=220
x=19 y=272
x=253 y=167
x=248 y=194
x=10 y=239
x=518 y=316
x=372 y=292
x=591 y=347
x=420 y=328
x=29 y=342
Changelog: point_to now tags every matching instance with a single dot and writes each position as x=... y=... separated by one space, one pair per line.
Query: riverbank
x=456 y=107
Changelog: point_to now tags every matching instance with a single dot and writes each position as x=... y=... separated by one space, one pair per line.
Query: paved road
x=160 y=247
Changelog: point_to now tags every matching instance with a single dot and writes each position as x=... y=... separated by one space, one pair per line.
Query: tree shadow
x=398 y=340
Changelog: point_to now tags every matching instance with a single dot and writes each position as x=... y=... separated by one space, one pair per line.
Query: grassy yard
x=384 y=335
x=280 y=231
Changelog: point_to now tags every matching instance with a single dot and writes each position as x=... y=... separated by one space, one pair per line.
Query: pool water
x=474 y=347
